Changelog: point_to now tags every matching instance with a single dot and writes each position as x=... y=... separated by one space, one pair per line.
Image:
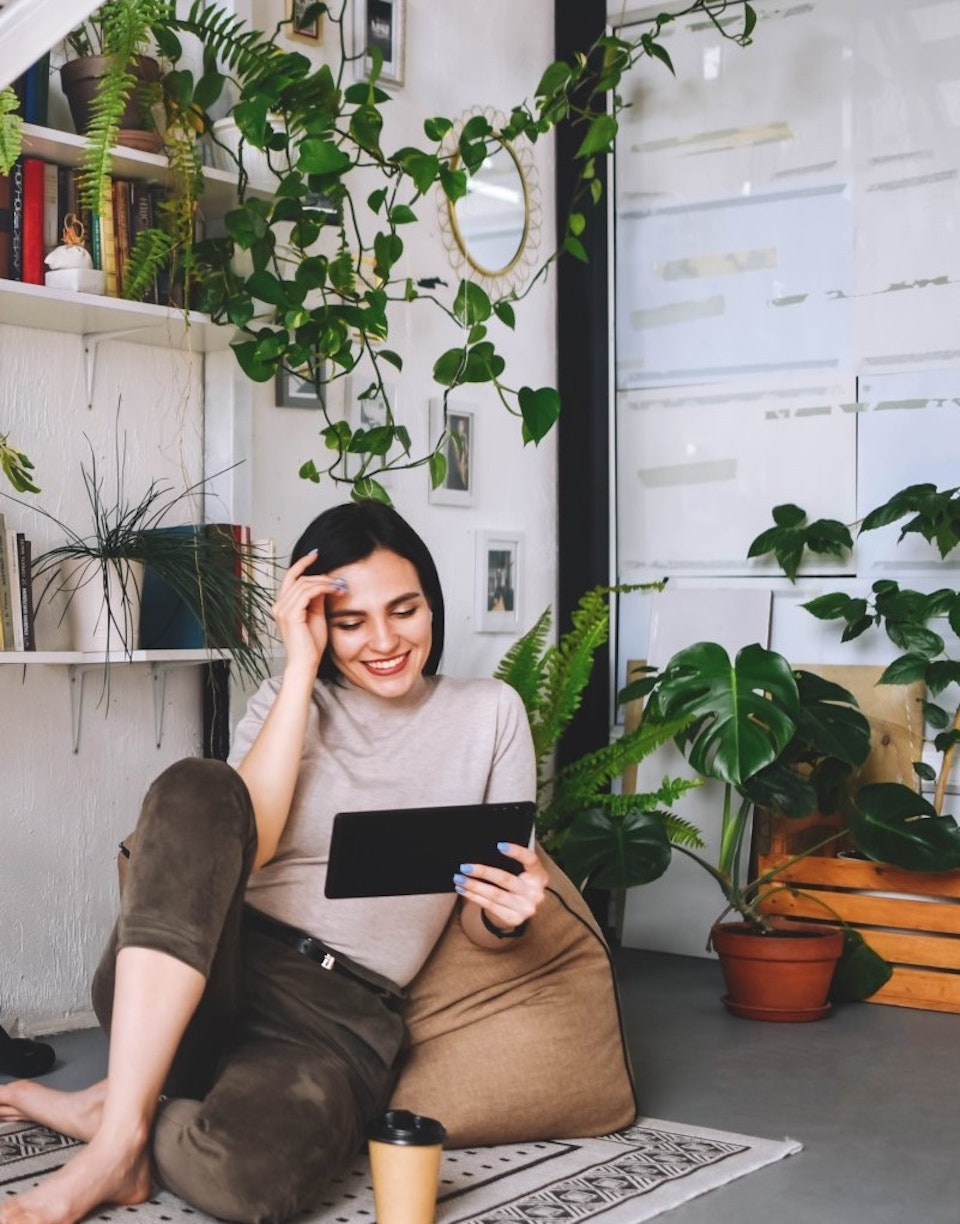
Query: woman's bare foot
x=76 y=1114
x=106 y=1171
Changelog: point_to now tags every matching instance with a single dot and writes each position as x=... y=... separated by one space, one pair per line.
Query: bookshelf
x=79 y=664
x=85 y=314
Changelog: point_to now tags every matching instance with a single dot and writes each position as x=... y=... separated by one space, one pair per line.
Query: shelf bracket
x=158 y=679
x=77 y=673
x=91 y=342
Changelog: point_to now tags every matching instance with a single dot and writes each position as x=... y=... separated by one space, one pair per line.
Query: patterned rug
x=624 y=1178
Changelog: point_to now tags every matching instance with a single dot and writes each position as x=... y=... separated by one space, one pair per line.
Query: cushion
x=524 y=1043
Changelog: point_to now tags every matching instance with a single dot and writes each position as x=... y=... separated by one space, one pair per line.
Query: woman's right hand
x=300 y=613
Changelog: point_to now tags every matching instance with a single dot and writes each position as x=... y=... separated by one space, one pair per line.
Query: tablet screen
x=403 y=851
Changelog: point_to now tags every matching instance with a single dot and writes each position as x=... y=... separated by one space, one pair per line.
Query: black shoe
x=24 y=1058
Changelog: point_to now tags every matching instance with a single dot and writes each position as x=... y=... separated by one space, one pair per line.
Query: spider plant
x=206 y=568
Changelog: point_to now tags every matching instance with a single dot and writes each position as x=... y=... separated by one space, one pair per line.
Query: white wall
x=61 y=814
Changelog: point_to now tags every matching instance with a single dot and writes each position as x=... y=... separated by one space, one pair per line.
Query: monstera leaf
x=893 y=824
x=744 y=711
x=860 y=972
x=614 y=851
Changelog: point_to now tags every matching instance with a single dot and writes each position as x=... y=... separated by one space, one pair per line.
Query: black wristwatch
x=499 y=932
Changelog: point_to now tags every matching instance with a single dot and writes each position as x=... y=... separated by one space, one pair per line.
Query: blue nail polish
x=340 y=583
x=461 y=892
x=459 y=880
x=503 y=847
x=466 y=868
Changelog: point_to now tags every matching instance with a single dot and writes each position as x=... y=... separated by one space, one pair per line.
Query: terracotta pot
x=81 y=80
x=784 y=975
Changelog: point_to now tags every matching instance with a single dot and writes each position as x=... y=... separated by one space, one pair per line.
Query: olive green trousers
x=284 y=1063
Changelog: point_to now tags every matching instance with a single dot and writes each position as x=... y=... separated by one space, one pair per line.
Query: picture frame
x=460 y=452
x=294 y=392
x=369 y=413
x=381 y=23
x=499 y=576
x=309 y=31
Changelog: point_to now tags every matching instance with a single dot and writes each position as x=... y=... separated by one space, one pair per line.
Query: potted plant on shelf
x=921 y=626
x=131 y=543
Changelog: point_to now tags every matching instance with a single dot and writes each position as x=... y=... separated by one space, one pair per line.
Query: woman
x=270 y=1065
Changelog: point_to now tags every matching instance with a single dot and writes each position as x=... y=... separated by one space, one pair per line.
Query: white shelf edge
x=75 y=658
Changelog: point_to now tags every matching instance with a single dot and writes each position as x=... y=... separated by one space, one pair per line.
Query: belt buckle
x=329 y=961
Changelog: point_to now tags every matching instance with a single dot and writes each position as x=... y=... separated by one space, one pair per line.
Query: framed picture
x=309 y=29
x=297 y=392
x=498 y=580
x=369 y=413
x=380 y=23
x=459 y=450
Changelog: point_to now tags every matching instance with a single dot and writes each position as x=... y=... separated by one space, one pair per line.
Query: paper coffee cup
x=405 y=1150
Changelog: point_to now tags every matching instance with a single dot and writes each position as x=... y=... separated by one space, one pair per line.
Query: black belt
x=315 y=950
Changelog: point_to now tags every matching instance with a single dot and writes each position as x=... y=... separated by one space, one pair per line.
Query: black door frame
x=583 y=339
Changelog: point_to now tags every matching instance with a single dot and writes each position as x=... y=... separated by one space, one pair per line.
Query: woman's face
x=380 y=628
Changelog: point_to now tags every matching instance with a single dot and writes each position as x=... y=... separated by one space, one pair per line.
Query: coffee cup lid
x=403 y=1127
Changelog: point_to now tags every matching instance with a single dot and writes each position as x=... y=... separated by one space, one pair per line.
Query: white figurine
x=70 y=264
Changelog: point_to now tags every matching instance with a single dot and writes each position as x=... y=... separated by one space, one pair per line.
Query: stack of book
x=16 y=591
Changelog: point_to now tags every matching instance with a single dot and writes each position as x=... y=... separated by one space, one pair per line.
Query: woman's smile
x=380 y=625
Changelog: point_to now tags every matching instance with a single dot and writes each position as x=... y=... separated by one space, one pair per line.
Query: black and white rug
x=623 y=1178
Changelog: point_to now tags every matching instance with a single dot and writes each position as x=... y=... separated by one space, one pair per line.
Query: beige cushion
x=521 y=1044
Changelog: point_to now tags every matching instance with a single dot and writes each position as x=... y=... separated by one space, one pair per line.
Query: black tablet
x=402 y=851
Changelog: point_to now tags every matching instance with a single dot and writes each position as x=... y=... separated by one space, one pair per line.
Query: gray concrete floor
x=871 y=1093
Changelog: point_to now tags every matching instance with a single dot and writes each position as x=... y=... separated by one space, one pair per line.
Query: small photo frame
x=294 y=391
x=498 y=578
x=380 y=23
x=308 y=29
x=459 y=450
x=369 y=413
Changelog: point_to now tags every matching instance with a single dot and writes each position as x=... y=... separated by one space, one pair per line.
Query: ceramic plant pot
x=103 y=620
x=81 y=77
x=784 y=975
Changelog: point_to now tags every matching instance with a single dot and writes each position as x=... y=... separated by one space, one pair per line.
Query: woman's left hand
x=508 y=899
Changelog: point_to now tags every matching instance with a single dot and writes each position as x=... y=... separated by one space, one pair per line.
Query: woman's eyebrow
x=393 y=603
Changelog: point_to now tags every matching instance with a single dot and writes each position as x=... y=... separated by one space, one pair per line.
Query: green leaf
x=554 y=79
x=308 y=471
x=437 y=127
x=599 y=137
x=860 y=971
x=449 y=367
x=438 y=469
x=616 y=853
x=574 y=247
x=471 y=305
x=577 y=223
x=908 y=669
x=402 y=214
x=266 y=287
x=505 y=313
x=248 y=355
x=368 y=489
x=376 y=199
x=317 y=156
x=891 y=823
x=744 y=711
x=540 y=410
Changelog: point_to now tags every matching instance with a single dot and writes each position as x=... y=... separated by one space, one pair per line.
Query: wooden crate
x=910 y=918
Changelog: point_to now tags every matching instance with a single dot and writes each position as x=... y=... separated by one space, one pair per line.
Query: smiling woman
x=211 y=984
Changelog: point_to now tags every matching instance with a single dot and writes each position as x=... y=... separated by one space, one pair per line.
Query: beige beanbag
x=521 y=1044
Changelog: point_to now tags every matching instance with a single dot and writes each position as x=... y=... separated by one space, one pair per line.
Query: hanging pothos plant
x=311 y=276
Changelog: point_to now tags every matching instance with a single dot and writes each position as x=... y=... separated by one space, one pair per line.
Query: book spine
x=13 y=575
x=24 y=565
x=141 y=218
x=52 y=228
x=6 y=613
x=16 y=220
x=6 y=226
x=121 y=219
x=33 y=193
x=108 y=245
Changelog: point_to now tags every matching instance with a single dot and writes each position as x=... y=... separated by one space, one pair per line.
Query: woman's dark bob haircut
x=348 y=533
